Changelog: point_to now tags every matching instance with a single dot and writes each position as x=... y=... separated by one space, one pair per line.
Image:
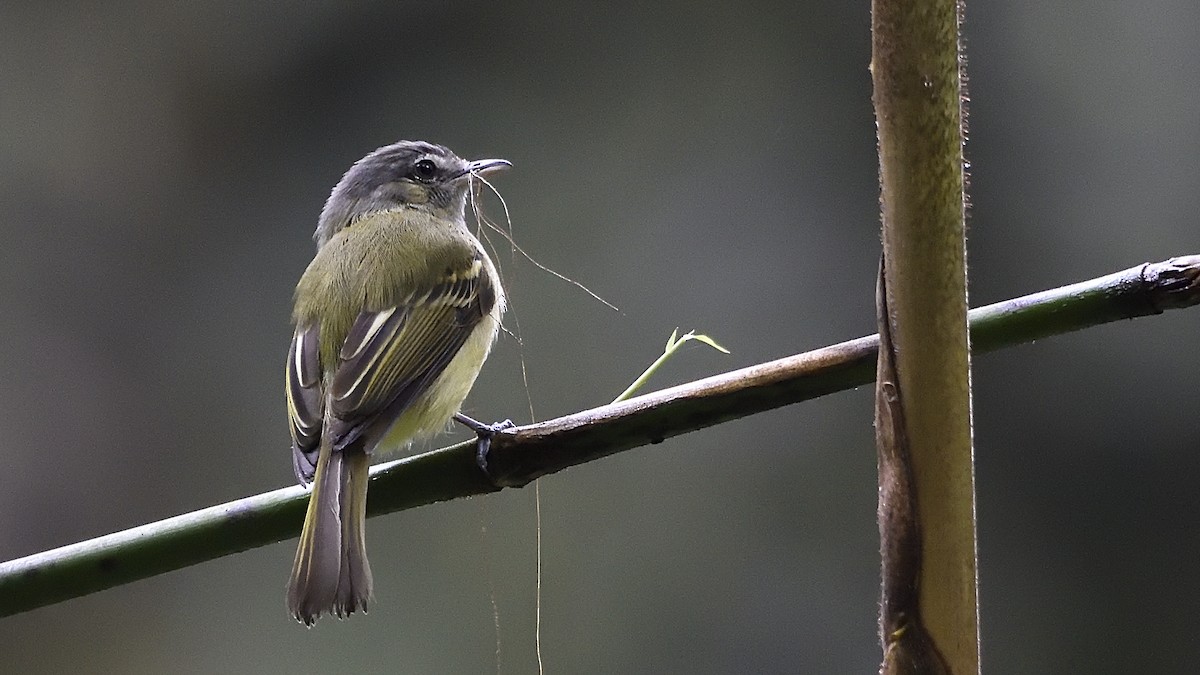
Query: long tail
x=331 y=573
x=354 y=583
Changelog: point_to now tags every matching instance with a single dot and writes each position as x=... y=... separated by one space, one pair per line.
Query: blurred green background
x=706 y=165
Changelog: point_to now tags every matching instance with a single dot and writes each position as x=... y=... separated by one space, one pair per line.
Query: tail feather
x=354 y=582
x=330 y=573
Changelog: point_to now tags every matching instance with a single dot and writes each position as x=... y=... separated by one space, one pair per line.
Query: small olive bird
x=394 y=318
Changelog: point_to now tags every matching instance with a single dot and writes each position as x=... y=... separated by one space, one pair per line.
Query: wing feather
x=305 y=401
x=392 y=356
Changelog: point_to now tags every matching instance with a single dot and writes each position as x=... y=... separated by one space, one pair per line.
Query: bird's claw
x=484 y=433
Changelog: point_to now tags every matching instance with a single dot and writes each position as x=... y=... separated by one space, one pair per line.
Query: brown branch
x=531 y=451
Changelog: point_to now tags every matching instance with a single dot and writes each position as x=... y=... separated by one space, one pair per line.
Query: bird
x=394 y=318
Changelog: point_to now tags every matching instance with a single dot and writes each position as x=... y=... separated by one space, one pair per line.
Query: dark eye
x=424 y=170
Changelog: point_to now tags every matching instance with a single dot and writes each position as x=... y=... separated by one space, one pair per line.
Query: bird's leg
x=483 y=433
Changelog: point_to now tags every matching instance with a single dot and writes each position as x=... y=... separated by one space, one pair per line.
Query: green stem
x=527 y=452
x=673 y=344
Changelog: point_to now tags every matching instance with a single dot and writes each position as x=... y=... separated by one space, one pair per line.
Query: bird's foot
x=484 y=434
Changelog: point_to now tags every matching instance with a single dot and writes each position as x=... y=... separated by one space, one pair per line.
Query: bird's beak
x=482 y=167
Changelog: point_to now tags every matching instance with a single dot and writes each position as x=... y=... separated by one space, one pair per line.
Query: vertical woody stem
x=929 y=618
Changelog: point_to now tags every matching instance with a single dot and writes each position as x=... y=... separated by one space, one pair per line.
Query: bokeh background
x=699 y=164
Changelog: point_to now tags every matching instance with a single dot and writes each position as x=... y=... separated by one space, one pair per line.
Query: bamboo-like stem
x=525 y=453
x=929 y=609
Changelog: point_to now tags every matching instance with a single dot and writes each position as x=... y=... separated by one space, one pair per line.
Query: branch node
x=1174 y=283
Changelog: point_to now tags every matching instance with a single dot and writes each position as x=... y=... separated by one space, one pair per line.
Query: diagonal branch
x=525 y=453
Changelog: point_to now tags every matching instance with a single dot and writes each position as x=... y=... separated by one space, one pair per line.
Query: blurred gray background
x=701 y=165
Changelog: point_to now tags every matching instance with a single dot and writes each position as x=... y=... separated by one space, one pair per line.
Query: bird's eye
x=424 y=170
